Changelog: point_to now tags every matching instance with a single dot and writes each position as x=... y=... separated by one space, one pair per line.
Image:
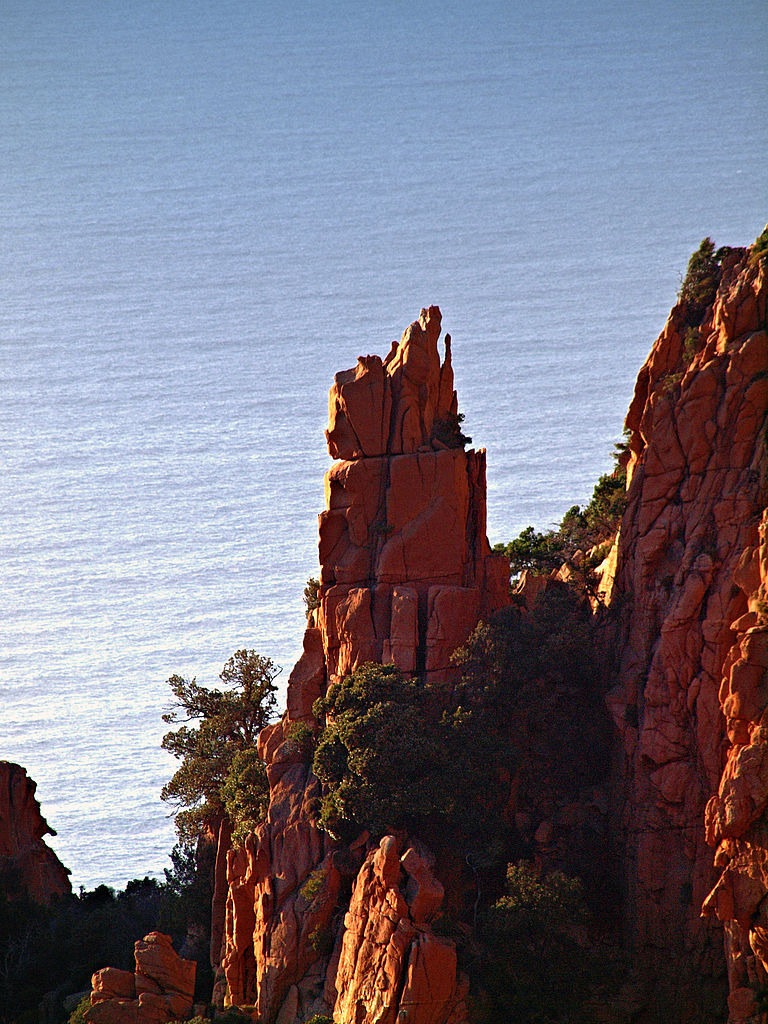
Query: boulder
x=161 y=989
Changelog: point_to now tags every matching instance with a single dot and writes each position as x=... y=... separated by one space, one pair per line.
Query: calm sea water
x=208 y=209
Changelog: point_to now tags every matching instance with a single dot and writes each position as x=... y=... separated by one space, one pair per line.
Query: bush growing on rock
x=396 y=755
x=245 y=793
x=580 y=529
x=534 y=965
x=702 y=277
x=448 y=431
x=525 y=669
x=230 y=721
x=311 y=595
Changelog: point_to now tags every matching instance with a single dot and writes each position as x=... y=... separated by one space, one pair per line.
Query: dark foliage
x=397 y=754
x=702 y=277
x=311 y=595
x=447 y=431
x=229 y=721
x=537 y=677
x=533 y=964
x=48 y=953
x=245 y=793
x=759 y=253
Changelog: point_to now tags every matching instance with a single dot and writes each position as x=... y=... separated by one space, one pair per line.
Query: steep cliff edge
x=406 y=572
x=27 y=866
x=632 y=711
x=689 y=593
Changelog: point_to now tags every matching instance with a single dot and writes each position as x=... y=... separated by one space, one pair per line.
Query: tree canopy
x=230 y=721
x=397 y=754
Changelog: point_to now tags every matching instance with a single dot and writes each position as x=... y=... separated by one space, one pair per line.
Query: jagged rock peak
x=406 y=569
x=391 y=406
x=406 y=572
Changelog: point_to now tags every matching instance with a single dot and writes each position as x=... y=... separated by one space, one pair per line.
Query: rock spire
x=406 y=572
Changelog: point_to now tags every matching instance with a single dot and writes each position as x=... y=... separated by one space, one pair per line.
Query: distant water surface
x=208 y=209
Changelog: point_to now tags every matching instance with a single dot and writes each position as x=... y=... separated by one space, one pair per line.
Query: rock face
x=387 y=938
x=27 y=865
x=406 y=572
x=406 y=567
x=161 y=989
x=691 y=697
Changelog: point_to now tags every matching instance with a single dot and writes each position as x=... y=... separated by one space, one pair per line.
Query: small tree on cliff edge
x=230 y=721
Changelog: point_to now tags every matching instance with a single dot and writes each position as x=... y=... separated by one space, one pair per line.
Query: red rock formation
x=690 y=699
x=27 y=865
x=161 y=989
x=406 y=567
x=392 y=966
x=406 y=571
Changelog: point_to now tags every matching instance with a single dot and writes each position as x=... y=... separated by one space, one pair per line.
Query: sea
x=208 y=209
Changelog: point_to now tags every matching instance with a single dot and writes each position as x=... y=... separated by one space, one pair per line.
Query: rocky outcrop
x=406 y=567
x=392 y=967
x=689 y=704
x=406 y=572
x=27 y=866
x=682 y=617
x=161 y=989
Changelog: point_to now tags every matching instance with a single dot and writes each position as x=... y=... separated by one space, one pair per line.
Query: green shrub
x=313 y=885
x=580 y=529
x=301 y=738
x=78 y=1014
x=526 y=669
x=312 y=595
x=230 y=721
x=759 y=251
x=397 y=755
x=233 y=1015
x=319 y=1018
x=447 y=431
x=245 y=793
x=539 y=553
x=533 y=967
x=691 y=343
x=701 y=280
x=321 y=941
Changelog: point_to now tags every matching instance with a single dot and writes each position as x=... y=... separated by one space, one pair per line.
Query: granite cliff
x=689 y=695
x=27 y=866
x=669 y=829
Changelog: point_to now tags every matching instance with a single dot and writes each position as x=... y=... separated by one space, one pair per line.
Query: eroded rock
x=161 y=989
x=689 y=581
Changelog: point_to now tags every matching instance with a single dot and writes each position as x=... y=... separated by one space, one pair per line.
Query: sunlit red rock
x=161 y=989
x=690 y=694
x=405 y=573
x=392 y=966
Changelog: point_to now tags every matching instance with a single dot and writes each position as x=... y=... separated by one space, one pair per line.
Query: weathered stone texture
x=392 y=966
x=161 y=989
x=689 y=581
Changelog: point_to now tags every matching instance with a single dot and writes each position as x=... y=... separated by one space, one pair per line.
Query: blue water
x=208 y=209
